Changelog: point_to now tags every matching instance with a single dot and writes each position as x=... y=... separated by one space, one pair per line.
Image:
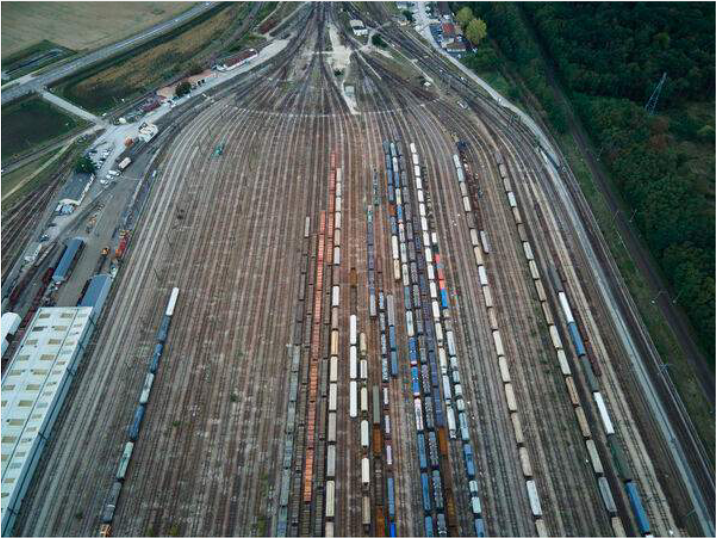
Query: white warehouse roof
x=33 y=390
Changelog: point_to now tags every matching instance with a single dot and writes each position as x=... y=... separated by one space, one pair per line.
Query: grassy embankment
x=30 y=122
x=136 y=72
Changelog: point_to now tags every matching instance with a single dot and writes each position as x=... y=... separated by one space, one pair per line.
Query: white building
x=358 y=28
x=147 y=131
x=33 y=391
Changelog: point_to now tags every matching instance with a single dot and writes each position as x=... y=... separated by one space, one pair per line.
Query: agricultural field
x=79 y=25
x=30 y=122
x=136 y=72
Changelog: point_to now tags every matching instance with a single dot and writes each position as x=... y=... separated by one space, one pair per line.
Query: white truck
x=125 y=163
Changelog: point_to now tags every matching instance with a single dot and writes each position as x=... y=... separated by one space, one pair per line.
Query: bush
x=483 y=59
x=183 y=88
x=85 y=165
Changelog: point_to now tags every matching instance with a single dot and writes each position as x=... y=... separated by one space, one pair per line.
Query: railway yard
x=363 y=316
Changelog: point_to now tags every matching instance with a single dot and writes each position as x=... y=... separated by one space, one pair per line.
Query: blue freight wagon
x=391 y=497
x=469 y=460
x=391 y=337
x=164 y=329
x=413 y=350
x=394 y=363
x=136 y=423
x=393 y=532
x=407 y=298
x=154 y=364
x=391 y=194
x=576 y=339
x=444 y=298
x=422 y=456
x=639 y=513
x=479 y=527
x=429 y=532
x=425 y=481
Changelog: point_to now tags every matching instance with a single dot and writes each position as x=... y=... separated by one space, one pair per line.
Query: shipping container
x=607 y=497
x=563 y=364
x=124 y=461
x=331 y=461
x=418 y=414
x=554 y=334
x=353 y=397
x=333 y=376
x=504 y=369
x=517 y=427
x=363 y=369
x=364 y=434
x=333 y=397
x=334 y=343
x=535 y=505
x=353 y=363
x=604 y=413
x=365 y=511
x=618 y=527
x=498 y=343
x=331 y=427
x=541 y=528
x=582 y=422
x=365 y=471
x=485 y=242
x=452 y=426
x=525 y=462
x=330 y=499
x=510 y=396
x=572 y=390
x=488 y=296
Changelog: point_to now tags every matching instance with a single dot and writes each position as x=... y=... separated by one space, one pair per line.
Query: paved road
x=424 y=22
x=71 y=108
x=31 y=84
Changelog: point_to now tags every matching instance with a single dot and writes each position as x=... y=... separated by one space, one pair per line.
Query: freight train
x=110 y=504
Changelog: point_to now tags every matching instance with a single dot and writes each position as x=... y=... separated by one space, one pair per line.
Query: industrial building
x=74 y=192
x=33 y=391
x=68 y=260
x=9 y=325
x=358 y=28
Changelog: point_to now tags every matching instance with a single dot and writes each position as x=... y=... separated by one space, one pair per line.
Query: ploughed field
x=370 y=335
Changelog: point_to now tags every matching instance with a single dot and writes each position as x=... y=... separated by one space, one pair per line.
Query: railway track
x=230 y=231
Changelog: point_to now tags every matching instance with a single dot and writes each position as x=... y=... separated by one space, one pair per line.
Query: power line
x=654 y=99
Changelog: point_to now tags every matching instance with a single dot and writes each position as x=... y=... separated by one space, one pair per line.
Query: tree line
x=609 y=57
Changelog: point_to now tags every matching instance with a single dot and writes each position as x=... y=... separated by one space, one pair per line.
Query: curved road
x=30 y=83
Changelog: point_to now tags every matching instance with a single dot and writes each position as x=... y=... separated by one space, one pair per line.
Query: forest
x=609 y=57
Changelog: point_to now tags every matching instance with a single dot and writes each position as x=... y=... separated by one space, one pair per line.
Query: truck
x=125 y=163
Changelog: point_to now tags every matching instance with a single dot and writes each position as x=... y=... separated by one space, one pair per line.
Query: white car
x=112 y=173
